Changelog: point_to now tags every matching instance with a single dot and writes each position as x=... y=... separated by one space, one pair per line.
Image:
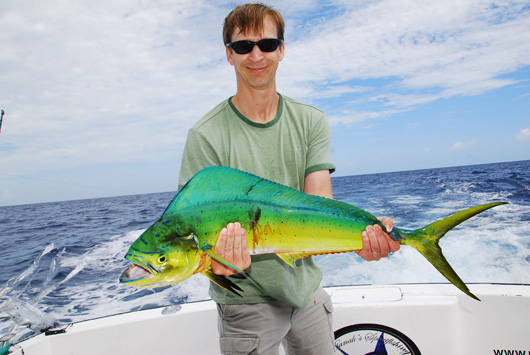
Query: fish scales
x=278 y=229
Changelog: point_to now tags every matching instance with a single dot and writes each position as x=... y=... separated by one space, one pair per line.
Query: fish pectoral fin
x=220 y=259
x=290 y=258
x=223 y=282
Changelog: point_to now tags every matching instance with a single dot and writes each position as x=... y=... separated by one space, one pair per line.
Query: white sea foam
x=407 y=199
x=109 y=296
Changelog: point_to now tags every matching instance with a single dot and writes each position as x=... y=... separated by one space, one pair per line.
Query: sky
x=99 y=94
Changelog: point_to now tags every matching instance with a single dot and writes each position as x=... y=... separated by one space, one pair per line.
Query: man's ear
x=229 y=55
x=282 y=51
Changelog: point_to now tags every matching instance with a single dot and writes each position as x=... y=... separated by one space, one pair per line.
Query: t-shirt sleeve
x=198 y=154
x=318 y=150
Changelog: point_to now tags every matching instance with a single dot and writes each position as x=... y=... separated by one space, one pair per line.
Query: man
x=270 y=135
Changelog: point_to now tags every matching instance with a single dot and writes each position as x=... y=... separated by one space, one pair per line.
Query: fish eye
x=162 y=259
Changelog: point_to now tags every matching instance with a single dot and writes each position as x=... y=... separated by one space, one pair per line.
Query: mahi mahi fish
x=278 y=219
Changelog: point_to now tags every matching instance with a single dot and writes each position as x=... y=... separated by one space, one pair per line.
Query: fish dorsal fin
x=220 y=184
x=211 y=185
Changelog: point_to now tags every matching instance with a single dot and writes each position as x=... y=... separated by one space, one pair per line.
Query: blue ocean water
x=65 y=258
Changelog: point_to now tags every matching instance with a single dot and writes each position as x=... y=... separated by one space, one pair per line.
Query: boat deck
x=429 y=319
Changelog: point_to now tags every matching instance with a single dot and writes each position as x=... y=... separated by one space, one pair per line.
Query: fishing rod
x=1 y=118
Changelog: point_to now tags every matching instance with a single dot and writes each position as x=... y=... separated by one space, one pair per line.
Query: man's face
x=257 y=69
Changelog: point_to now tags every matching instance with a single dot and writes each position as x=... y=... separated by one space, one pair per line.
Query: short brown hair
x=250 y=18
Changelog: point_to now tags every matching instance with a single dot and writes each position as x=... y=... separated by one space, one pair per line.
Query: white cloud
x=347 y=117
x=461 y=146
x=524 y=135
x=447 y=47
x=101 y=82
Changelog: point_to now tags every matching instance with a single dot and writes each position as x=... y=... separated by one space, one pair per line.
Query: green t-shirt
x=295 y=143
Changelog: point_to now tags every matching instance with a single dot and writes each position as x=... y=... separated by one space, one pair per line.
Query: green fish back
x=220 y=184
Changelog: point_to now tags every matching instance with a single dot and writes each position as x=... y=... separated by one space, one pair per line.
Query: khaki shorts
x=260 y=328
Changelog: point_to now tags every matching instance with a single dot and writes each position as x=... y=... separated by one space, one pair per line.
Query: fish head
x=161 y=256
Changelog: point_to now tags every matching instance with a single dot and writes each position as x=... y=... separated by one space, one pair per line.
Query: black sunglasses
x=265 y=45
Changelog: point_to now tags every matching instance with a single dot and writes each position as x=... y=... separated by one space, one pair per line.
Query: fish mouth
x=138 y=271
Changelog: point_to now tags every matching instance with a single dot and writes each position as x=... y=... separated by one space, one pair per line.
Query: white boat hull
x=435 y=319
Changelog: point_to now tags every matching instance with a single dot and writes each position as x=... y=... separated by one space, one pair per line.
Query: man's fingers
x=245 y=255
x=221 y=242
x=236 y=245
x=375 y=242
x=375 y=245
x=388 y=223
x=241 y=254
x=367 y=252
x=231 y=245
x=389 y=244
x=382 y=239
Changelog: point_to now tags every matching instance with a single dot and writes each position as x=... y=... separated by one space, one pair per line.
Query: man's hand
x=376 y=243
x=231 y=245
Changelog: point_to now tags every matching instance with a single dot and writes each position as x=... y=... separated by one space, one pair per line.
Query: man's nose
x=256 y=54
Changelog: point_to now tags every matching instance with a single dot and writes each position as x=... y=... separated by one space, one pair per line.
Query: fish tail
x=426 y=241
